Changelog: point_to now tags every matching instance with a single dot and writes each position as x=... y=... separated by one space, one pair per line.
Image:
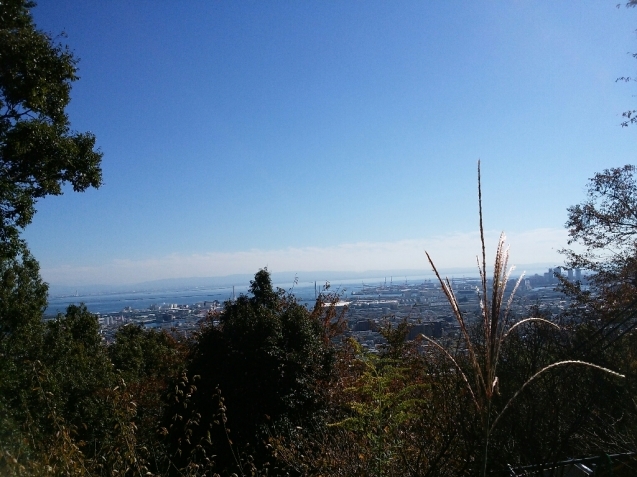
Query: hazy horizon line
x=454 y=251
x=285 y=278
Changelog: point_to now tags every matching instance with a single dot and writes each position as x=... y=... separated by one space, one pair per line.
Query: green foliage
x=400 y=412
x=385 y=399
x=38 y=150
x=262 y=380
x=564 y=413
x=77 y=370
x=484 y=348
x=396 y=338
x=389 y=414
x=38 y=154
x=606 y=226
x=262 y=389
x=23 y=297
x=149 y=362
x=22 y=302
x=267 y=356
x=140 y=353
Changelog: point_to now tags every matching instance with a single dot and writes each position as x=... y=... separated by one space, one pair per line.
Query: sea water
x=305 y=292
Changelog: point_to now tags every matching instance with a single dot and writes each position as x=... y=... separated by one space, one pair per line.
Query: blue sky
x=331 y=135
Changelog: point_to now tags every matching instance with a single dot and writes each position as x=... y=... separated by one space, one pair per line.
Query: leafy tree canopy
x=38 y=150
x=75 y=371
x=23 y=297
x=268 y=356
x=145 y=353
x=605 y=225
x=22 y=303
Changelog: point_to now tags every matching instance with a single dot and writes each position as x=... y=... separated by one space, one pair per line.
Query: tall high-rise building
x=570 y=274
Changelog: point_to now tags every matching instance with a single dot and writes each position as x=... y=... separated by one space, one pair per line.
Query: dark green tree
x=140 y=354
x=22 y=303
x=603 y=315
x=268 y=355
x=148 y=361
x=23 y=297
x=55 y=374
x=73 y=411
x=39 y=152
x=77 y=370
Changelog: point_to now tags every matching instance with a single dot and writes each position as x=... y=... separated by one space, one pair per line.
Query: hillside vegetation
x=271 y=387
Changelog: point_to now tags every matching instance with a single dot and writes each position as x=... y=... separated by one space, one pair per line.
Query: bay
x=102 y=303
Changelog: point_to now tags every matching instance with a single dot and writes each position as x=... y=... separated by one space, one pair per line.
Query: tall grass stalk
x=496 y=326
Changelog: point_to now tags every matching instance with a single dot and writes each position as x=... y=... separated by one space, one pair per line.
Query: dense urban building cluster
x=423 y=306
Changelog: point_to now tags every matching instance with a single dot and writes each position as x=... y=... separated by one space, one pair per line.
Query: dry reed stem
x=482 y=268
x=512 y=295
x=495 y=319
x=495 y=323
x=465 y=333
x=526 y=320
x=69 y=449
x=546 y=368
x=464 y=376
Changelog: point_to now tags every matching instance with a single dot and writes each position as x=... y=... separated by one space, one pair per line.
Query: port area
x=426 y=310
x=367 y=310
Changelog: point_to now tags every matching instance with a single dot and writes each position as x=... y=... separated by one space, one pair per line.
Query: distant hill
x=278 y=278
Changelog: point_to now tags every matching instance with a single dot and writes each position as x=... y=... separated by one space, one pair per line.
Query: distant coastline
x=60 y=290
x=187 y=291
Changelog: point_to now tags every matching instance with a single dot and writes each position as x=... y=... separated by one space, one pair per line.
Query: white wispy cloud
x=448 y=251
